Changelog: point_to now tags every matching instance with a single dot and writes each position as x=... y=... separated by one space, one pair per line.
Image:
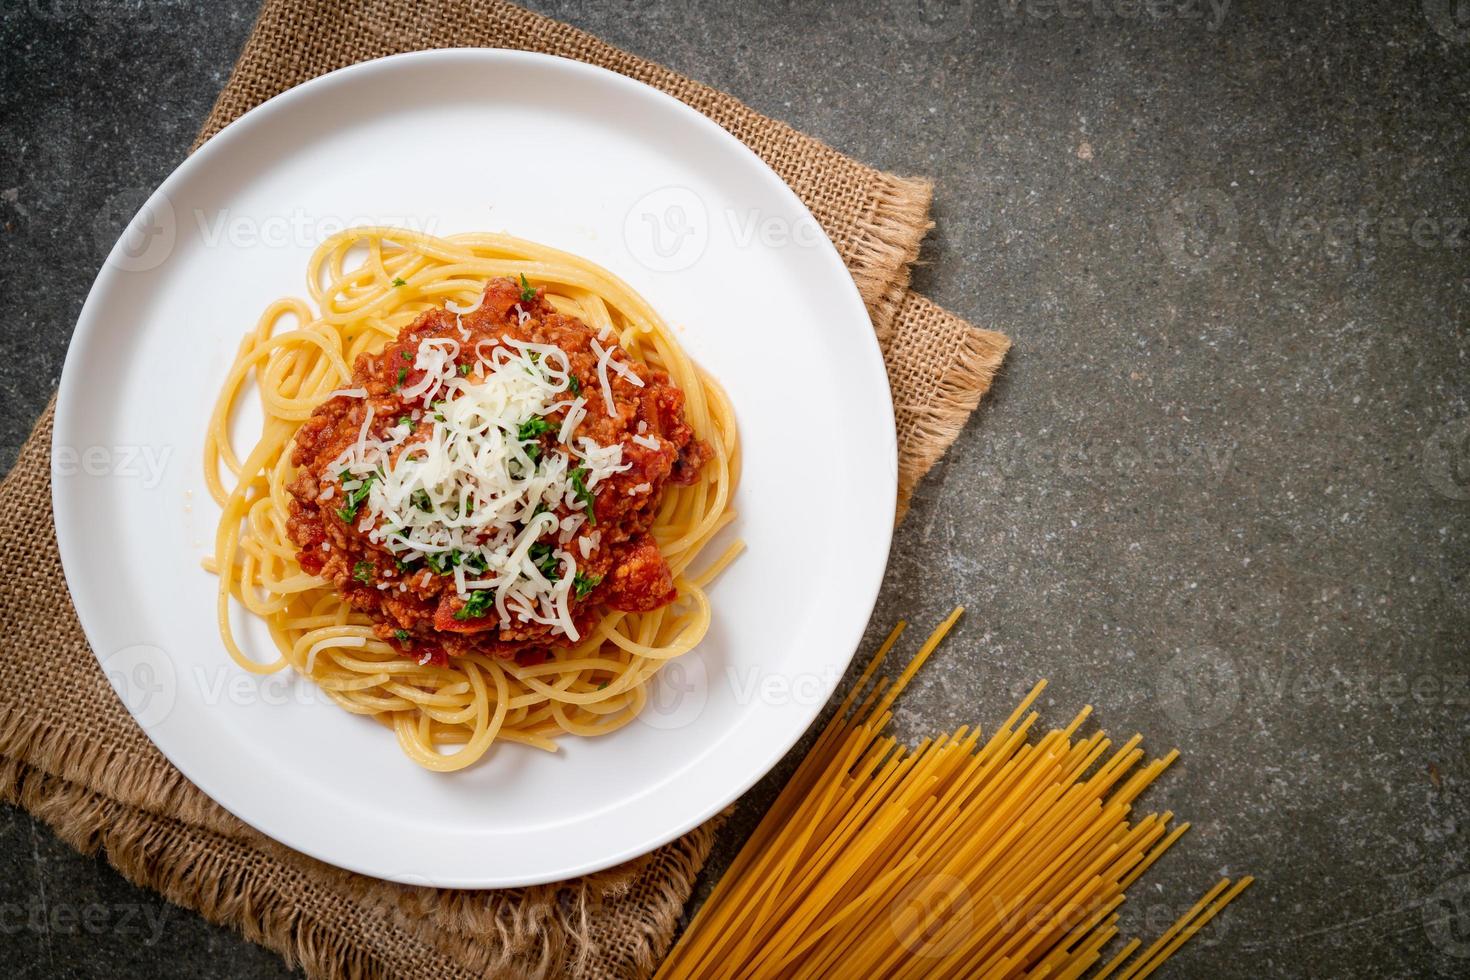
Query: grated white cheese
x=465 y=494
x=624 y=370
x=647 y=442
x=602 y=461
x=454 y=307
x=604 y=354
x=576 y=412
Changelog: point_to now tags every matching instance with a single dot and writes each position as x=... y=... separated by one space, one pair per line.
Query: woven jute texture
x=71 y=755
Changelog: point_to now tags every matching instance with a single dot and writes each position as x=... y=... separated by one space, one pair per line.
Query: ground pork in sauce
x=629 y=571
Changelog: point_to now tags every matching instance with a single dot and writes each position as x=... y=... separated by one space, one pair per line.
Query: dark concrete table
x=1230 y=452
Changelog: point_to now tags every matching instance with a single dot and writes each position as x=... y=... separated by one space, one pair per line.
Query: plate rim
x=89 y=322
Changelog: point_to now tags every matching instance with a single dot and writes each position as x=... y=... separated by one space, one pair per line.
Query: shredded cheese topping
x=473 y=495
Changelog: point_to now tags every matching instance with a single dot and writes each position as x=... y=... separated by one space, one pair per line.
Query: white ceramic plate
x=564 y=154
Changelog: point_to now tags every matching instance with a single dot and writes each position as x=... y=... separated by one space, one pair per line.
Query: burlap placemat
x=73 y=757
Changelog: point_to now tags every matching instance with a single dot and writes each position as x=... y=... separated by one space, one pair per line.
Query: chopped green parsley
x=531 y=430
x=443 y=562
x=584 y=583
x=476 y=606
x=578 y=477
x=545 y=561
x=352 y=500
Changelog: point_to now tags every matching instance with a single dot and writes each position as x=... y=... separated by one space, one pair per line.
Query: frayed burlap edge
x=374 y=929
x=881 y=260
x=158 y=789
x=951 y=381
x=191 y=867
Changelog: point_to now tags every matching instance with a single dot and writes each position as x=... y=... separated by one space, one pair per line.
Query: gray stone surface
x=1229 y=455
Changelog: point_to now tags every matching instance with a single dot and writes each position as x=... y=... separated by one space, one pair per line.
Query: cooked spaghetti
x=485 y=472
x=1001 y=857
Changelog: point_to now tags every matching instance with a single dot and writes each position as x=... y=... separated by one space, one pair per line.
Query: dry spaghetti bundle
x=962 y=857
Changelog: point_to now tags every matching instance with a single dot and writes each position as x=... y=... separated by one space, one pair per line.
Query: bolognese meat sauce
x=489 y=480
